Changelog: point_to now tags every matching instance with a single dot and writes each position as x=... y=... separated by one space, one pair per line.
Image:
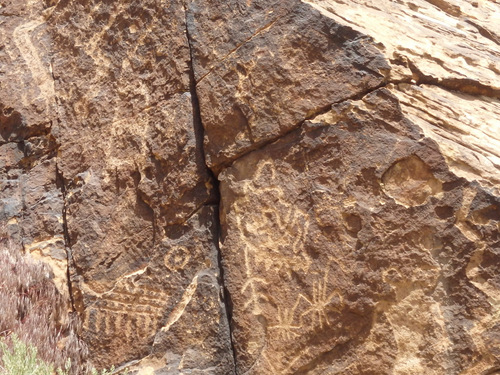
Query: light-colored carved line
x=40 y=73
x=118 y=321
x=285 y=325
x=248 y=271
x=86 y=319
x=319 y=301
x=254 y=300
x=135 y=299
x=151 y=325
x=134 y=290
x=106 y=322
x=179 y=309
x=116 y=285
x=127 y=323
x=250 y=283
x=294 y=222
x=138 y=293
x=126 y=309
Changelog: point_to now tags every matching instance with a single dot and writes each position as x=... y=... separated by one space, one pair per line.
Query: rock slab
x=261 y=187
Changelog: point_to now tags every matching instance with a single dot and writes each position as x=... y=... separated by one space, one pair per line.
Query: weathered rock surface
x=452 y=43
x=122 y=170
x=361 y=251
x=145 y=248
x=466 y=128
x=277 y=76
x=353 y=148
x=353 y=244
x=31 y=202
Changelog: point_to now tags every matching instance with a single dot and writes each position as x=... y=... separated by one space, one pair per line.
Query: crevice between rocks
x=309 y=116
x=485 y=32
x=462 y=85
x=60 y=184
x=199 y=134
x=67 y=244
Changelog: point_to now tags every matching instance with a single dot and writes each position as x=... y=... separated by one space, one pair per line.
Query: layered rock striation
x=261 y=187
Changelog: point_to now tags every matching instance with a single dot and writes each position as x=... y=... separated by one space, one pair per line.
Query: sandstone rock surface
x=31 y=202
x=362 y=258
x=261 y=187
x=101 y=132
x=349 y=239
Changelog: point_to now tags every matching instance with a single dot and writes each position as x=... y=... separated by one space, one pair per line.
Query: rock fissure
x=464 y=85
x=310 y=116
x=199 y=134
x=485 y=32
x=256 y=187
x=67 y=243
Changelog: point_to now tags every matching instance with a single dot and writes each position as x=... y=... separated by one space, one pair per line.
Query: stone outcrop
x=31 y=199
x=261 y=187
x=362 y=251
x=123 y=173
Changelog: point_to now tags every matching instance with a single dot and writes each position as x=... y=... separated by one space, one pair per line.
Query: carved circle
x=177 y=257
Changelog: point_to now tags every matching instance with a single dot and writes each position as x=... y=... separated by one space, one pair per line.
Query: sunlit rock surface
x=261 y=187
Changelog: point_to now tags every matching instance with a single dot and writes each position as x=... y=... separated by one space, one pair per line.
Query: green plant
x=67 y=368
x=20 y=358
x=35 y=314
x=103 y=372
x=37 y=331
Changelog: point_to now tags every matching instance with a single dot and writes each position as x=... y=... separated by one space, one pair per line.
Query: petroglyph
x=133 y=309
x=285 y=327
x=320 y=301
x=273 y=232
x=181 y=306
x=40 y=71
x=176 y=258
x=251 y=284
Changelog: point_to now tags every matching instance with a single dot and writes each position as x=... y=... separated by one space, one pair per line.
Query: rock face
x=31 y=201
x=118 y=162
x=358 y=245
x=261 y=187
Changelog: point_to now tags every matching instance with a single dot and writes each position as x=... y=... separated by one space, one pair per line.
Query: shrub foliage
x=35 y=322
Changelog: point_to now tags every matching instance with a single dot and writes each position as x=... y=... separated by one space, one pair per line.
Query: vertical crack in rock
x=67 y=244
x=199 y=134
x=62 y=186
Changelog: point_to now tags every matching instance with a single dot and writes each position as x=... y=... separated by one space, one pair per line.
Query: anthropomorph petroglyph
x=273 y=233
